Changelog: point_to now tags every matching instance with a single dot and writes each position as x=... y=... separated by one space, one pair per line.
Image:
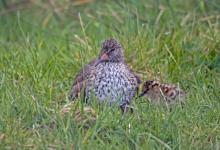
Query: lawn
x=43 y=44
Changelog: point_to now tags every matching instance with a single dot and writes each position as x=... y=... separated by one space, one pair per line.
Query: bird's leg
x=125 y=107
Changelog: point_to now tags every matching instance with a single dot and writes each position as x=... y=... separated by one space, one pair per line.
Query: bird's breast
x=113 y=81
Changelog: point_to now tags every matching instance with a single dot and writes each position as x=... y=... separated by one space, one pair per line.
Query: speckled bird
x=158 y=93
x=107 y=77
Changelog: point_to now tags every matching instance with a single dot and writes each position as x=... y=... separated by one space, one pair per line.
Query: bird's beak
x=104 y=57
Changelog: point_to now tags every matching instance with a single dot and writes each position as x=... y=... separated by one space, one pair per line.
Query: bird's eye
x=110 y=50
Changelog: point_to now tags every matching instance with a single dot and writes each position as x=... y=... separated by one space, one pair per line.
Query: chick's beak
x=142 y=94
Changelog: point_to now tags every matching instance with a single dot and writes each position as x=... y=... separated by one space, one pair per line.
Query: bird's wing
x=79 y=80
x=138 y=79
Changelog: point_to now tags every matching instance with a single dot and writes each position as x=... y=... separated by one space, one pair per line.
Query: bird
x=108 y=78
x=165 y=93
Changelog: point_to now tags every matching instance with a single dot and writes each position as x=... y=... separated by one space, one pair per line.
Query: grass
x=173 y=41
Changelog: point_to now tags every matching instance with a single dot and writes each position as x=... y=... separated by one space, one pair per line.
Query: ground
x=43 y=44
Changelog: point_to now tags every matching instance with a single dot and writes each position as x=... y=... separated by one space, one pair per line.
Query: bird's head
x=111 y=51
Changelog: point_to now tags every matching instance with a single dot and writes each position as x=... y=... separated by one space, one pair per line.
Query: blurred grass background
x=43 y=43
